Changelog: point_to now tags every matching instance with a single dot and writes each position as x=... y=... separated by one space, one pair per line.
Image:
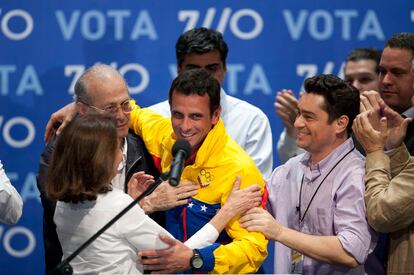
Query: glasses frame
x=113 y=112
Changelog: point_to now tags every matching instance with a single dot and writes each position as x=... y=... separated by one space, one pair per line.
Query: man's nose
x=298 y=122
x=357 y=84
x=186 y=124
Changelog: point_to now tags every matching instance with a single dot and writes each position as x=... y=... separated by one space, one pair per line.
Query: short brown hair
x=83 y=160
x=197 y=82
x=341 y=98
x=358 y=54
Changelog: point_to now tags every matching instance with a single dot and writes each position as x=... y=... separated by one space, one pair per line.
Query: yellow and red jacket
x=218 y=161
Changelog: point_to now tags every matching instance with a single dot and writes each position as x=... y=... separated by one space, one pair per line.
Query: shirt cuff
x=207 y=253
x=355 y=246
x=206 y=236
x=377 y=160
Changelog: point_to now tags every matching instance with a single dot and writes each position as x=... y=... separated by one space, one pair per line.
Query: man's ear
x=81 y=108
x=216 y=115
x=341 y=124
x=178 y=69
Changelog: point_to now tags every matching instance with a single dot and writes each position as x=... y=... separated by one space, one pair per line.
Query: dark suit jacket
x=409 y=138
x=138 y=159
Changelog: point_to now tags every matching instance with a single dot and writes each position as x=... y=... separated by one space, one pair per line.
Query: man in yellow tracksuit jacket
x=215 y=162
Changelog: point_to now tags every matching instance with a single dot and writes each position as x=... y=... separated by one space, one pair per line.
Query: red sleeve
x=265 y=196
x=157 y=162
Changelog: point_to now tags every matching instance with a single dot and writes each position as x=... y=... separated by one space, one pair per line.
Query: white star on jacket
x=204 y=208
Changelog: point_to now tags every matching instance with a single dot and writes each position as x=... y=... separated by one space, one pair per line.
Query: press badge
x=296 y=265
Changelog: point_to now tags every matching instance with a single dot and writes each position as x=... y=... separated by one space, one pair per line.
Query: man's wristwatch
x=196 y=260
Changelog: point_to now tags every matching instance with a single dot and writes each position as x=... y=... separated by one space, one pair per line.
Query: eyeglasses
x=125 y=108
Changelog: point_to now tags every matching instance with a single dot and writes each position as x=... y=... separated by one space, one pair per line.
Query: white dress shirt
x=115 y=251
x=11 y=204
x=409 y=112
x=246 y=124
x=119 y=180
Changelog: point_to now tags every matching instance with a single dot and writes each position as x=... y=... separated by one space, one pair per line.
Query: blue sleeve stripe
x=208 y=257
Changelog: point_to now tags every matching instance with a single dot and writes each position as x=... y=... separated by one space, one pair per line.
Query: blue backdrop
x=45 y=46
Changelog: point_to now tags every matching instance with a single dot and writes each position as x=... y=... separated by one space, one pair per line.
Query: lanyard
x=317 y=189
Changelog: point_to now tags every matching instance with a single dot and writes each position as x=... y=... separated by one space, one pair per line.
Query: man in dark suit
x=396 y=77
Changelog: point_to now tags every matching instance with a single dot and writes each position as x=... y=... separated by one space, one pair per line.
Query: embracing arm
x=250 y=247
x=167 y=197
x=58 y=121
x=239 y=201
x=322 y=248
x=177 y=256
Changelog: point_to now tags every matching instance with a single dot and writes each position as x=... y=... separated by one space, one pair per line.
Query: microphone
x=180 y=151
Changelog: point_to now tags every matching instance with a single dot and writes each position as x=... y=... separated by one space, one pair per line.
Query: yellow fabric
x=223 y=159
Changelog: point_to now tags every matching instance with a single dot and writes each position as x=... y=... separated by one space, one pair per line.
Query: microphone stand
x=65 y=268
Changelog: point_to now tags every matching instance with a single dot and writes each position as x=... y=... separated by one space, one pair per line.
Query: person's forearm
x=389 y=199
x=146 y=205
x=222 y=218
x=399 y=159
x=321 y=248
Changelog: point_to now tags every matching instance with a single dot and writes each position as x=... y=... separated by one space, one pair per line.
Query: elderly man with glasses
x=100 y=89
